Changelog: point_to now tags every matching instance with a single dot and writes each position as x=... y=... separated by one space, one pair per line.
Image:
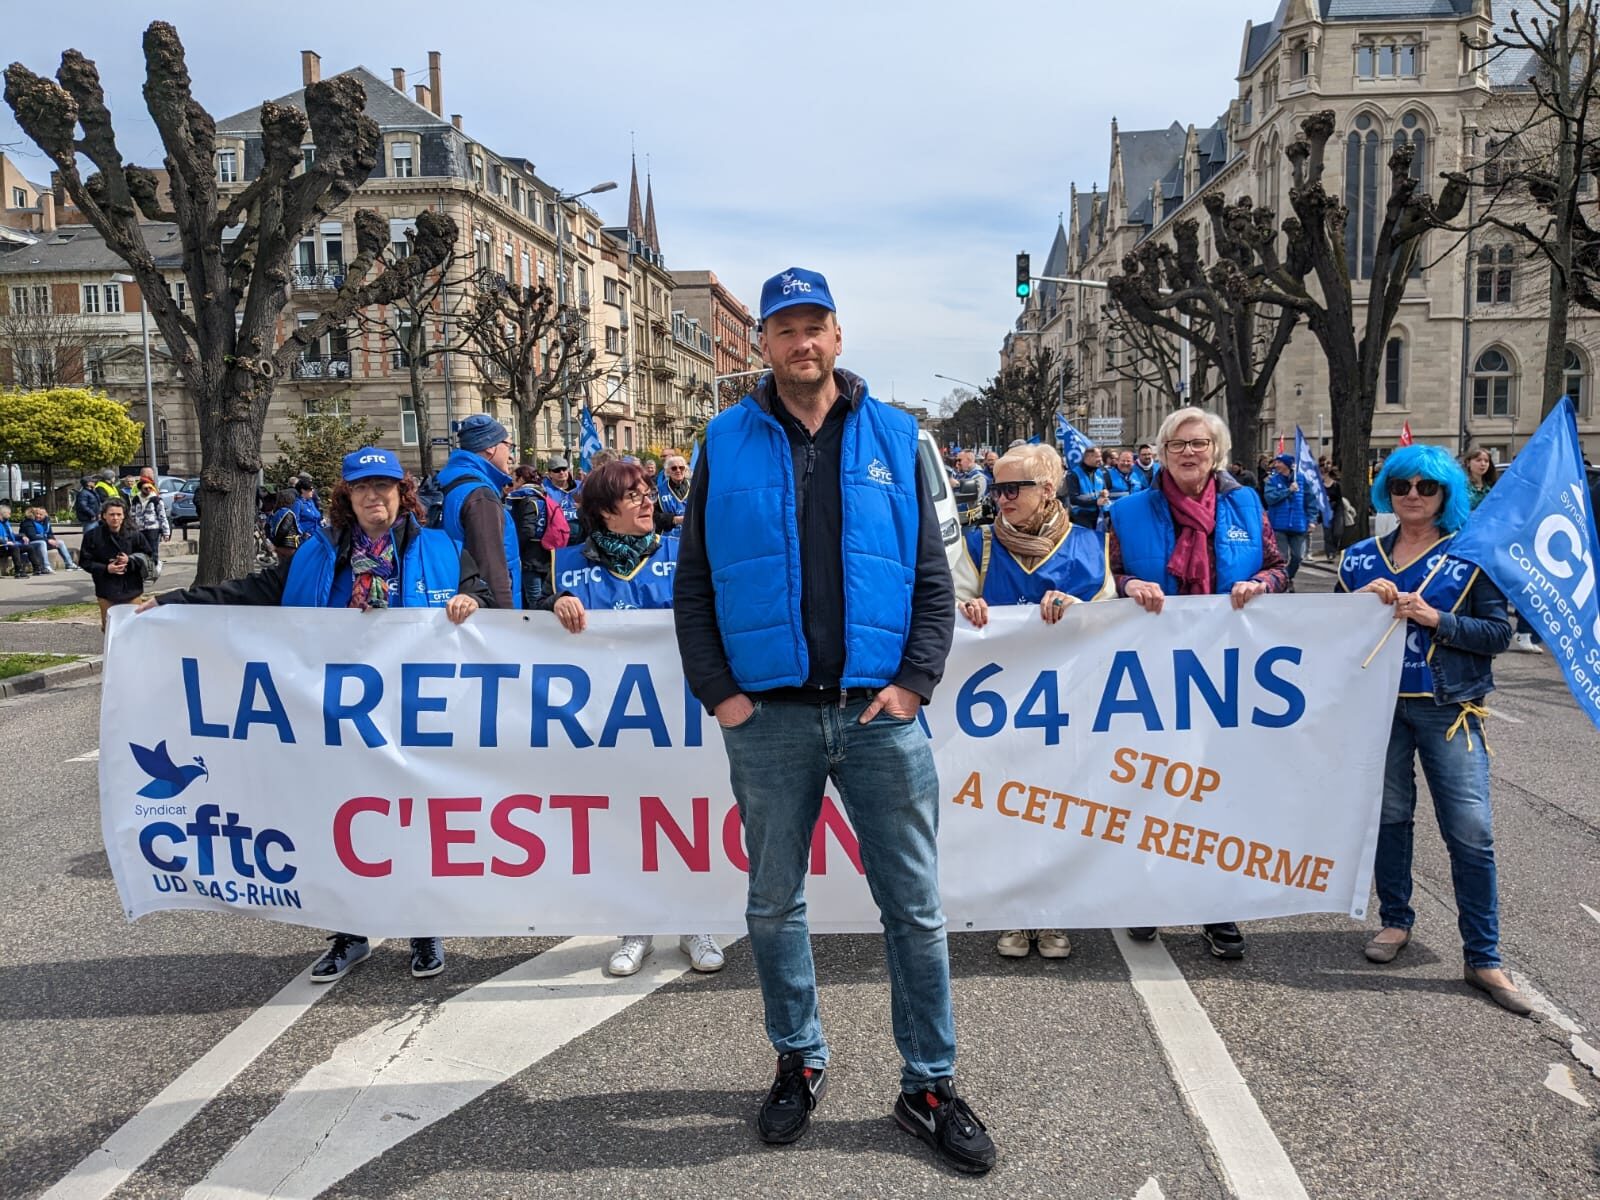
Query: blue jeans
x=1457 y=770
x=780 y=759
x=1293 y=548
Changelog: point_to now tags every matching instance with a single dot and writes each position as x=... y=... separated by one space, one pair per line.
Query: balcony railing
x=317 y=277
x=329 y=366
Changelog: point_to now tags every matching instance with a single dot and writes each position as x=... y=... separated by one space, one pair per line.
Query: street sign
x=1104 y=429
x=438 y=441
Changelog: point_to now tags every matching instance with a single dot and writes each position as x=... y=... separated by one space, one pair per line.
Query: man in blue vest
x=814 y=611
x=1286 y=509
x=1085 y=490
x=475 y=479
x=563 y=489
x=1145 y=467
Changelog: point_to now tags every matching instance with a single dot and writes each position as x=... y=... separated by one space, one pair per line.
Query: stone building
x=1464 y=360
x=704 y=298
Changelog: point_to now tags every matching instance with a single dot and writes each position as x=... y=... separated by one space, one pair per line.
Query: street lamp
x=149 y=390
x=561 y=296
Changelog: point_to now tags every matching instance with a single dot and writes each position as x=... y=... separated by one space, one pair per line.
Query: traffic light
x=1024 y=278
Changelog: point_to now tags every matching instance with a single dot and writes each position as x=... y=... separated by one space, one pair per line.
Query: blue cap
x=370 y=462
x=480 y=431
x=795 y=286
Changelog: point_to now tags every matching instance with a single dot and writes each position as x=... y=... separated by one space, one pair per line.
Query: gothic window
x=1495 y=266
x=1493 y=384
x=1394 y=371
x=1362 y=168
x=1575 y=378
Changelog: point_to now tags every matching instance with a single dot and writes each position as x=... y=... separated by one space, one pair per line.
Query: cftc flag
x=1071 y=440
x=589 y=443
x=1311 y=477
x=1534 y=536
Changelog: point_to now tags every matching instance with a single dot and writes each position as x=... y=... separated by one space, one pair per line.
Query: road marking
x=1543 y=1005
x=126 y=1150
x=341 y=1114
x=1586 y=1054
x=1253 y=1161
x=1590 y=911
x=91 y=756
x=1501 y=715
x=1560 y=1081
x=1150 y=1191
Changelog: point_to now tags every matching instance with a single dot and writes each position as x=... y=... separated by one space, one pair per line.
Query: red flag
x=1280 y=444
x=1405 y=434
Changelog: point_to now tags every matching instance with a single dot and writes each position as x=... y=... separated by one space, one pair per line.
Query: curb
x=49 y=677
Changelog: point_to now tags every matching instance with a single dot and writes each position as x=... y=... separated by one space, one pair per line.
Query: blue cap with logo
x=371 y=462
x=795 y=286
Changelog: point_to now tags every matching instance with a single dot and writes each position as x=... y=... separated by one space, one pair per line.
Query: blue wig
x=1426 y=462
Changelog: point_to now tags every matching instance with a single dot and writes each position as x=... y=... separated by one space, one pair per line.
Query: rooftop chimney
x=310 y=67
x=436 y=83
x=47 y=212
x=455 y=119
x=399 y=79
x=422 y=96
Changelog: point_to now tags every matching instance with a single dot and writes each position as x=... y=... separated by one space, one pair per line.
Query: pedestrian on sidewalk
x=1286 y=509
x=14 y=544
x=149 y=516
x=818 y=673
x=1333 y=531
x=1456 y=622
x=86 y=505
x=114 y=555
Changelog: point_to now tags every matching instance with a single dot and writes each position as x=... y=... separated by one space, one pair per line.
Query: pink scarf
x=1195 y=518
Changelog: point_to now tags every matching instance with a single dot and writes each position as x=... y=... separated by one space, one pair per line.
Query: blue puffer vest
x=430 y=572
x=1143 y=525
x=1286 y=509
x=753 y=544
x=463 y=464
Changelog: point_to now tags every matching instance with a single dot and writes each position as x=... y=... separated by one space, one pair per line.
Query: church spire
x=635 y=217
x=651 y=237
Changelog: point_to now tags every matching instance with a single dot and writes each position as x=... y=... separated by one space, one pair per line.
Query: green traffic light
x=1024 y=290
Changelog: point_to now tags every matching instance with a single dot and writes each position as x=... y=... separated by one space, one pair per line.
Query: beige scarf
x=1030 y=547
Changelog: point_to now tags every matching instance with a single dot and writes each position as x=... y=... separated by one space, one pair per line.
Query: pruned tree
x=237 y=246
x=1027 y=393
x=1542 y=155
x=528 y=348
x=44 y=349
x=1153 y=359
x=1353 y=344
x=1231 y=311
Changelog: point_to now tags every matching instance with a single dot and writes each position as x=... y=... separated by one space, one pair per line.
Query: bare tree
x=1232 y=311
x=1153 y=359
x=236 y=247
x=44 y=349
x=1026 y=394
x=529 y=349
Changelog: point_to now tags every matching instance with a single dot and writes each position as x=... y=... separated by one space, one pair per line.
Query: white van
x=944 y=501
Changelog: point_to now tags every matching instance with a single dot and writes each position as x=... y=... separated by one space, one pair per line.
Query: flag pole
x=1398 y=621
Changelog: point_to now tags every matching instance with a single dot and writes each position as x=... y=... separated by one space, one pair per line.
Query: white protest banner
x=394 y=775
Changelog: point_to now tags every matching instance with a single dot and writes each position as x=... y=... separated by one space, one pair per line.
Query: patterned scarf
x=375 y=567
x=622 y=552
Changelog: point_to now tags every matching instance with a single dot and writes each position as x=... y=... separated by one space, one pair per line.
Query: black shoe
x=347 y=950
x=786 y=1112
x=1224 y=939
x=427 y=956
x=1143 y=933
x=942 y=1119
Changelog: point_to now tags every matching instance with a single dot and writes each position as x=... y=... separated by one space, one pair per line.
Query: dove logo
x=167 y=779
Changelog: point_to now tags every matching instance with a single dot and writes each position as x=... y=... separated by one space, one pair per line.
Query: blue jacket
x=1085 y=493
x=1144 y=529
x=1117 y=484
x=1285 y=509
x=474 y=473
x=753 y=545
x=430 y=573
x=8 y=534
x=1461 y=659
x=307 y=515
x=1145 y=477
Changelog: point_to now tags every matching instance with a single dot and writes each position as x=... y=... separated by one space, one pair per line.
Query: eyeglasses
x=1011 y=489
x=1425 y=487
x=1179 y=445
x=638 y=496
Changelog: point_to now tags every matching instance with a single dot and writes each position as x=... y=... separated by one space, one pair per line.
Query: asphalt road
x=1375 y=1082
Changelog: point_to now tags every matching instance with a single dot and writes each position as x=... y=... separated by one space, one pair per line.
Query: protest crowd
x=817 y=674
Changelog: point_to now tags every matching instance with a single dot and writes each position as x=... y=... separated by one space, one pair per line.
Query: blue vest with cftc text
x=670 y=504
x=649 y=585
x=430 y=573
x=1078 y=567
x=753 y=544
x=1451 y=581
x=1144 y=529
x=463 y=476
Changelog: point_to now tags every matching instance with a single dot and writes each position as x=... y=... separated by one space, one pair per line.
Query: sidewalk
x=70 y=635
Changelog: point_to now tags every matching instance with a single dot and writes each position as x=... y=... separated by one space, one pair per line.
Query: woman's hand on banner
x=569 y=611
x=1146 y=595
x=460 y=608
x=1247 y=590
x=1383 y=589
x=975 y=611
x=145 y=605
x=1054 y=605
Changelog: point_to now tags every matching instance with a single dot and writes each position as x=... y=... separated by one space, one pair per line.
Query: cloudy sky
x=907 y=151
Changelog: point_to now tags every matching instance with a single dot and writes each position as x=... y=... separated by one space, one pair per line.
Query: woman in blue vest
x=1197 y=532
x=623 y=564
x=1032 y=554
x=1456 y=622
x=374 y=554
x=672 y=501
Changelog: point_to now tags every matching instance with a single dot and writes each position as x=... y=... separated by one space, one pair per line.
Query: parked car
x=180 y=506
x=944 y=501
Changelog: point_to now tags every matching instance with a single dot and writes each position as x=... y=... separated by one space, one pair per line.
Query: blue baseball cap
x=370 y=462
x=795 y=286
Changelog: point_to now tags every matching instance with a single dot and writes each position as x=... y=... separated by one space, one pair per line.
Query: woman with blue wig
x=1456 y=622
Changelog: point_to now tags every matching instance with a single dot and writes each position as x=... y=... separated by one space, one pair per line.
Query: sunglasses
x=1425 y=487
x=1010 y=491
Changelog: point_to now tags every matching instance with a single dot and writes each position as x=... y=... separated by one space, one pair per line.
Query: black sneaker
x=942 y=1119
x=1224 y=939
x=786 y=1112
x=1143 y=933
x=347 y=950
x=427 y=956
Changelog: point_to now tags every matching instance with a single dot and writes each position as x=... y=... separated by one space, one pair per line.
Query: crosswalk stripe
x=90 y=756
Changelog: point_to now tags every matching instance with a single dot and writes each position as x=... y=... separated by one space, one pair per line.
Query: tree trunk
x=419 y=406
x=1352 y=433
x=230 y=421
x=1244 y=419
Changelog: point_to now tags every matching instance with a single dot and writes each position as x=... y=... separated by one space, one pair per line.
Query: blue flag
x=589 y=443
x=1311 y=477
x=694 y=455
x=1534 y=536
x=1071 y=441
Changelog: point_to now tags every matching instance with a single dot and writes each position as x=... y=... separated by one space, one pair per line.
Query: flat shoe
x=1509 y=999
x=1385 y=952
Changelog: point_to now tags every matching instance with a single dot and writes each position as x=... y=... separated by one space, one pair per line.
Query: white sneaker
x=1525 y=643
x=704 y=954
x=631 y=954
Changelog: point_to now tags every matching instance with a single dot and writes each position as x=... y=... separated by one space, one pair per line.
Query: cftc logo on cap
x=795 y=286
